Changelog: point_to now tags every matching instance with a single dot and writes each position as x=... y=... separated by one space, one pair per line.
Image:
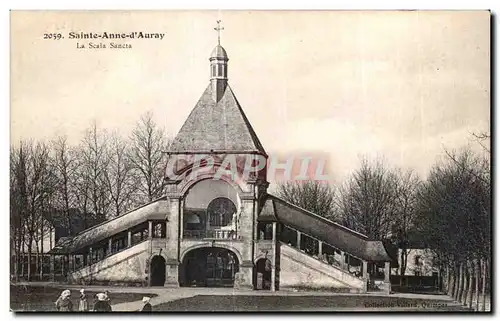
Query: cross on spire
x=218 y=29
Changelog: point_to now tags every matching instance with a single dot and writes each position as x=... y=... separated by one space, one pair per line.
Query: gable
x=216 y=126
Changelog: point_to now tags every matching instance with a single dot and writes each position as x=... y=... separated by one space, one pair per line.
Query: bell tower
x=217 y=131
x=218 y=67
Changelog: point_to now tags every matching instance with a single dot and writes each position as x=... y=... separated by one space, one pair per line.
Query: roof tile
x=218 y=126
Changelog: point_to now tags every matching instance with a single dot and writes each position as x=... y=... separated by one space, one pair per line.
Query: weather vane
x=218 y=29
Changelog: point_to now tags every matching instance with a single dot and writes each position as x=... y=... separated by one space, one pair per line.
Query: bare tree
x=148 y=157
x=314 y=196
x=65 y=167
x=82 y=184
x=15 y=222
x=455 y=215
x=407 y=185
x=480 y=168
x=91 y=169
x=33 y=185
x=119 y=176
x=18 y=201
x=367 y=201
x=481 y=139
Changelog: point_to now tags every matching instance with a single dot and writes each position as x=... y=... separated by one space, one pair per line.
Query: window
x=158 y=230
x=58 y=264
x=193 y=222
x=119 y=244
x=309 y=245
x=78 y=262
x=46 y=264
x=220 y=212
x=136 y=238
x=418 y=265
x=265 y=231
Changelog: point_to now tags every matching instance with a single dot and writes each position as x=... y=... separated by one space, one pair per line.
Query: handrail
x=334 y=247
x=319 y=260
x=109 y=255
x=314 y=238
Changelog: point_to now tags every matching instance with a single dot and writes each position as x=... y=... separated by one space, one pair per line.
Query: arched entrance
x=208 y=267
x=263 y=269
x=158 y=270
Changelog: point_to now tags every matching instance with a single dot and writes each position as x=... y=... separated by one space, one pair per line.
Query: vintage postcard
x=250 y=161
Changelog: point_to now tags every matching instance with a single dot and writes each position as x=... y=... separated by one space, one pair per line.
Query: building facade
x=217 y=225
x=419 y=262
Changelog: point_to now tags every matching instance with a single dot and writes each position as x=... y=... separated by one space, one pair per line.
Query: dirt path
x=165 y=295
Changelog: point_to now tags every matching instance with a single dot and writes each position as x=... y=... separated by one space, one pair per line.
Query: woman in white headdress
x=102 y=304
x=84 y=304
x=147 y=306
x=63 y=303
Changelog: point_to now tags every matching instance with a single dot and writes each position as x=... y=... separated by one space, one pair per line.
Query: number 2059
x=54 y=36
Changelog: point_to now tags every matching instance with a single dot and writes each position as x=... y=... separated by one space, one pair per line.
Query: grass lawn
x=43 y=298
x=297 y=303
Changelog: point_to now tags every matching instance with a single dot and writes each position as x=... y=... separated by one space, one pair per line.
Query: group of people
x=101 y=302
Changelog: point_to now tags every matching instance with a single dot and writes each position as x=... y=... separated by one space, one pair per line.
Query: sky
x=399 y=85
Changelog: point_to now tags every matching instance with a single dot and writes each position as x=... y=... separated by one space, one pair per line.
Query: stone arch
x=209 y=266
x=158 y=270
x=186 y=185
x=262 y=255
x=157 y=253
x=262 y=273
x=221 y=245
x=196 y=200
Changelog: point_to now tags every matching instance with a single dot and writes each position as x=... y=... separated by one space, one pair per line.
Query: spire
x=218 y=29
x=218 y=67
x=217 y=122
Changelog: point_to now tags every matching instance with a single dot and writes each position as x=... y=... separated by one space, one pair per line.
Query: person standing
x=147 y=306
x=108 y=299
x=102 y=304
x=64 y=303
x=84 y=304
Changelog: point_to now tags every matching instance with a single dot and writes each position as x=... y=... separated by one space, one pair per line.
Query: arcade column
x=172 y=242
x=171 y=273
x=243 y=280
x=387 y=277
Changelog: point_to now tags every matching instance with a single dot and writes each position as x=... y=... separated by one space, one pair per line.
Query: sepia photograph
x=250 y=161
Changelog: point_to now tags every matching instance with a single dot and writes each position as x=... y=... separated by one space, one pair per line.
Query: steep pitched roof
x=156 y=210
x=217 y=126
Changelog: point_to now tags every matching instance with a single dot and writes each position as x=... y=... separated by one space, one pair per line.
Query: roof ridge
x=252 y=133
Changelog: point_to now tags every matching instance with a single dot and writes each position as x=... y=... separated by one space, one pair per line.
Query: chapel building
x=209 y=231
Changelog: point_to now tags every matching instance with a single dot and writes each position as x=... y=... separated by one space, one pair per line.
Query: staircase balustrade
x=325 y=258
x=210 y=234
